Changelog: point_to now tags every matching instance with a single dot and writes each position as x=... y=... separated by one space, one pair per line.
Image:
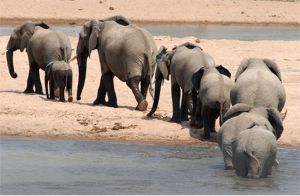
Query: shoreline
x=81 y=21
x=191 y=142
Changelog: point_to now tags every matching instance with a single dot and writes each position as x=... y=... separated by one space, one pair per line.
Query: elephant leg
x=51 y=84
x=184 y=107
x=46 y=86
x=241 y=164
x=37 y=81
x=145 y=85
x=62 y=93
x=30 y=82
x=108 y=80
x=101 y=94
x=209 y=120
x=227 y=155
x=175 y=91
x=197 y=120
x=133 y=84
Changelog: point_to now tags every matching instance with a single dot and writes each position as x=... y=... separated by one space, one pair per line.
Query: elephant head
x=253 y=62
x=88 y=40
x=163 y=60
x=271 y=114
x=19 y=39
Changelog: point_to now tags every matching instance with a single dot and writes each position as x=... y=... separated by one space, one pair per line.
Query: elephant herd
x=248 y=107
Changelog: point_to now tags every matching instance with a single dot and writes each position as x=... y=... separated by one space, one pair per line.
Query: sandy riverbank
x=185 y=11
x=34 y=116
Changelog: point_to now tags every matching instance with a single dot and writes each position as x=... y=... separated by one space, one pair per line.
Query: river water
x=91 y=167
x=202 y=31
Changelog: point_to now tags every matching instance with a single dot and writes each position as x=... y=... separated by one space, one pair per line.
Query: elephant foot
x=196 y=124
x=39 y=92
x=185 y=118
x=70 y=99
x=229 y=167
x=98 y=102
x=175 y=119
x=205 y=136
x=142 y=105
x=62 y=100
x=110 y=104
x=27 y=91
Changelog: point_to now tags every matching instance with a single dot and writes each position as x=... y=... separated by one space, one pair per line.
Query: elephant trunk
x=158 y=83
x=10 y=63
x=82 y=61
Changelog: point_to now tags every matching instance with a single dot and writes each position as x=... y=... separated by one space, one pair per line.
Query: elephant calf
x=254 y=152
x=243 y=116
x=60 y=75
x=213 y=85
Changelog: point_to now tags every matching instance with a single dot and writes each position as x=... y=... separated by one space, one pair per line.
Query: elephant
x=60 y=74
x=243 y=116
x=43 y=45
x=254 y=152
x=181 y=63
x=213 y=85
x=125 y=51
x=258 y=83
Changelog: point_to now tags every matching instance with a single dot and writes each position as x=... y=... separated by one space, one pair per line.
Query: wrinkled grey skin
x=254 y=152
x=258 y=83
x=243 y=116
x=59 y=74
x=213 y=85
x=42 y=45
x=181 y=63
x=125 y=51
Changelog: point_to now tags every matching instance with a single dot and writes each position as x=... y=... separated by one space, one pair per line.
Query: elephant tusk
x=72 y=59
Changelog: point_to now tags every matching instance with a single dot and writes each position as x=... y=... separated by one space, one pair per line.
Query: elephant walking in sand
x=125 y=51
x=43 y=45
x=182 y=62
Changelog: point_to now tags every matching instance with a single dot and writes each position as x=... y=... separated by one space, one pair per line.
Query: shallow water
x=86 y=167
x=203 y=31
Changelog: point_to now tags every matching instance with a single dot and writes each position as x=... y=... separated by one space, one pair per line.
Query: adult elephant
x=43 y=45
x=258 y=83
x=125 y=51
x=242 y=116
x=181 y=63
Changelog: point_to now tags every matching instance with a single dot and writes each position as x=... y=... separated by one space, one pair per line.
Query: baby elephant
x=254 y=152
x=60 y=75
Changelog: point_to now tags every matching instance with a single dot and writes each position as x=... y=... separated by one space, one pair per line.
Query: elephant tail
x=221 y=113
x=64 y=54
x=150 y=71
x=251 y=155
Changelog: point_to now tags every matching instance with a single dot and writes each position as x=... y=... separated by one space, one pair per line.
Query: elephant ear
x=118 y=19
x=162 y=66
x=42 y=24
x=275 y=120
x=24 y=40
x=273 y=67
x=236 y=110
x=196 y=78
x=95 y=32
x=242 y=67
x=222 y=70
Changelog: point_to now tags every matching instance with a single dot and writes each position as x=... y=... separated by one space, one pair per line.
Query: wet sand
x=34 y=116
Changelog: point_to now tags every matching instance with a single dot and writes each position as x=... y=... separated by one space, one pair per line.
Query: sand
x=188 y=11
x=24 y=115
